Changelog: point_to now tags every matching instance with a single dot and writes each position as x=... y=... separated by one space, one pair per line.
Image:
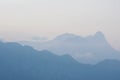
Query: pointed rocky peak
x=99 y=36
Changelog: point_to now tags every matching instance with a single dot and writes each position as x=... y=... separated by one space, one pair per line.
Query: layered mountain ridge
x=25 y=63
x=91 y=49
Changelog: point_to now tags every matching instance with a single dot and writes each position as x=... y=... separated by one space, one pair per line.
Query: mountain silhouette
x=19 y=62
x=90 y=49
x=24 y=63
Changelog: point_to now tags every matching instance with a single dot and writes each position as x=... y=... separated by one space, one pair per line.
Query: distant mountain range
x=24 y=63
x=90 y=49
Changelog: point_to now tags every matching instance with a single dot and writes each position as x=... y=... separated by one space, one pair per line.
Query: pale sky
x=20 y=19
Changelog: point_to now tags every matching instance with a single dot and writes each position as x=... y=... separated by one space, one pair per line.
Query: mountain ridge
x=91 y=49
x=19 y=62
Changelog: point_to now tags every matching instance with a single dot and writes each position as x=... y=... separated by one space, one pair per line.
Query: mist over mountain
x=24 y=63
x=91 y=49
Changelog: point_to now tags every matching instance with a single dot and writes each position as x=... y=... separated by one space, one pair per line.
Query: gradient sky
x=21 y=19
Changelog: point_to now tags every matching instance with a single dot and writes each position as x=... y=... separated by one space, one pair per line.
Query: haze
x=22 y=19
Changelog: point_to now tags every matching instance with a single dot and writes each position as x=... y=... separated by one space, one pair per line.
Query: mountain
x=89 y=50
x=24 y=63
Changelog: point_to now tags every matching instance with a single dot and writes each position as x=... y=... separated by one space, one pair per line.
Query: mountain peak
x=66 y=36
x=99 y=33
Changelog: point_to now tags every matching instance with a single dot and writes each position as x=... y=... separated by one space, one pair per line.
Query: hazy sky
x=20 y=19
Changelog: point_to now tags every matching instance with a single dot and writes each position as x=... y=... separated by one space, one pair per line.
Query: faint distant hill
x=90 y=49
x=24 y=63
